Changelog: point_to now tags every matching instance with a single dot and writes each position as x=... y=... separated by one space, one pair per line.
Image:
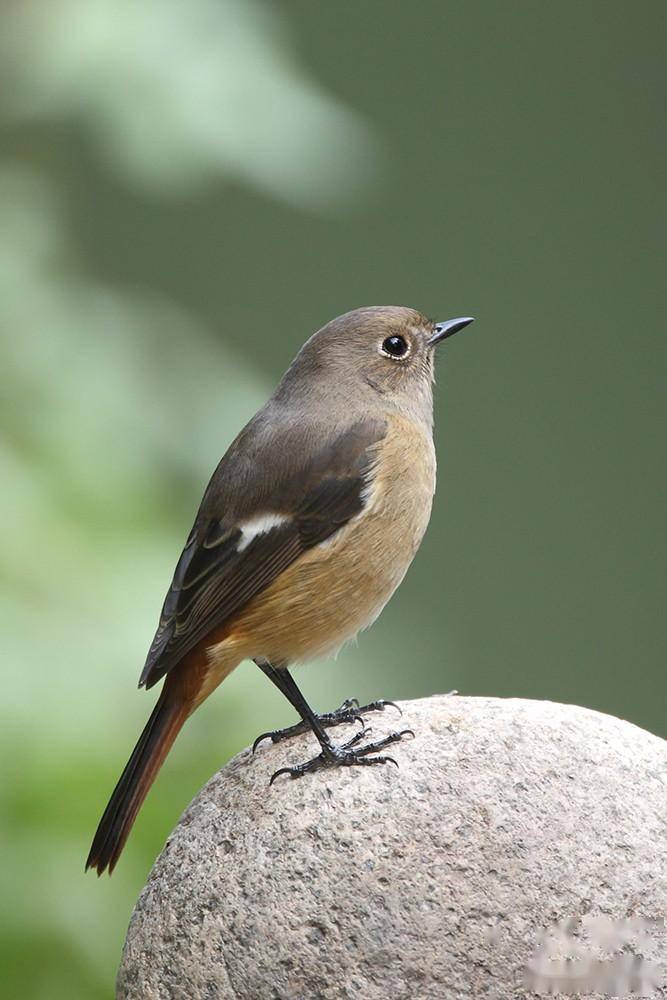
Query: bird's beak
x=448 y=328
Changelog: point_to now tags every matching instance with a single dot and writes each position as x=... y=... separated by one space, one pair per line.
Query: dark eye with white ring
x=395 y=347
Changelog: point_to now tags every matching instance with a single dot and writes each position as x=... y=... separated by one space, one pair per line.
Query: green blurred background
x=186 y=192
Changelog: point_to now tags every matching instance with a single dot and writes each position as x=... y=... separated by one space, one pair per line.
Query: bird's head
x=384 y=352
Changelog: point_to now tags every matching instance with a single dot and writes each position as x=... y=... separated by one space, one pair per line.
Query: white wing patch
x=259 y=526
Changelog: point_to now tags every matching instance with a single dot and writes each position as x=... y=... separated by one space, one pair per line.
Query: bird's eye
x=395 y=347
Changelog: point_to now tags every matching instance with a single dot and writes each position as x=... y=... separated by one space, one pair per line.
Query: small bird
x=305 y=530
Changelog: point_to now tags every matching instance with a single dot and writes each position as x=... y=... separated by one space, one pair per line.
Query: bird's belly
x=340 y=587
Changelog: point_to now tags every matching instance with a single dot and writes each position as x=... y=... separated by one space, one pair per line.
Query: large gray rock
x=438 y=880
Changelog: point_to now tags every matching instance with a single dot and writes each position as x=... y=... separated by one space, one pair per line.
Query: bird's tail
x=140 y=772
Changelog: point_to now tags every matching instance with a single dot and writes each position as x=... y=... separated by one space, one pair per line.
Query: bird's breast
x=340 y=586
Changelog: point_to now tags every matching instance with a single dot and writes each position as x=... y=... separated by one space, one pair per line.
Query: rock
x=437 y=880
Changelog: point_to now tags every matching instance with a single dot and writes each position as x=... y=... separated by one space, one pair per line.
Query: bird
x=305 y=530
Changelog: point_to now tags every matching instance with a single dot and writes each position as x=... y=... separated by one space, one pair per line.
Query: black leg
x=349 y=711
x=274 y=674
x=331 y=756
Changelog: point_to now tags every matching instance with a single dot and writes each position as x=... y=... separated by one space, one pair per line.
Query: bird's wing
x=228 y=560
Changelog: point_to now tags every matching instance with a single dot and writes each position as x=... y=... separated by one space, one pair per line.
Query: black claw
x=383 y=760
x=379 y=706
x=262 y=736
x=282 y=770
x=393 y=704
x=356 y=717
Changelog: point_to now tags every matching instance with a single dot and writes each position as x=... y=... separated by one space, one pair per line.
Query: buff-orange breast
x=341 y=586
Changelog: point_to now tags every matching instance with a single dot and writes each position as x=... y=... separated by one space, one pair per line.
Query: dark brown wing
x=217 y=575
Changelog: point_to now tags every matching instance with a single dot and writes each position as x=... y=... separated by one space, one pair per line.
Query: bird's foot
x=347 y=755
x=349 y=711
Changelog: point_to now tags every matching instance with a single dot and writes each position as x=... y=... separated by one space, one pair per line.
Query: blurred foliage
x=186 y=192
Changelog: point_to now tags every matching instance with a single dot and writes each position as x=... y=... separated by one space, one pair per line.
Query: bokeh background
x=187 y=191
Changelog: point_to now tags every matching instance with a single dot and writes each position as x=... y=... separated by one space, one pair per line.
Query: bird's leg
x=349 y=711
x=331 y=755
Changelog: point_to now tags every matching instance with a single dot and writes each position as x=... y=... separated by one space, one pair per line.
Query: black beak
x=448 y=328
